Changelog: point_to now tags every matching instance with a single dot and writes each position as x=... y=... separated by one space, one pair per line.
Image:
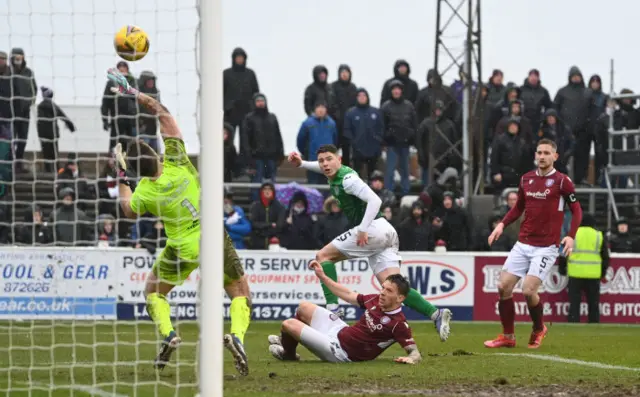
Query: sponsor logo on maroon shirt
x=375 y=331
x=544 y=199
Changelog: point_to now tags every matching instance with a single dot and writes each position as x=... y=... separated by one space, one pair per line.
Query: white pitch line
x=94 y=391
x=559 y=359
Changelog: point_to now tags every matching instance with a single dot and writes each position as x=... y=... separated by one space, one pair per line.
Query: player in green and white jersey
x=170 y=190
x=371 y=235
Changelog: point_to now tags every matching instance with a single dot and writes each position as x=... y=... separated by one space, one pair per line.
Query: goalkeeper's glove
x=121 y=166
x=121 y=84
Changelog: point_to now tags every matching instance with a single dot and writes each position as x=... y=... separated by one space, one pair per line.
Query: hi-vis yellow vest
x=585 y=260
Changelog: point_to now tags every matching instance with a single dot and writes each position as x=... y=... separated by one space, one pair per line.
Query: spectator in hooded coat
x=401 y=123
x=261 y=146
x=71 y=226
x=48 y=131
x=495 y=88
x=509 y=157
x=147 y=122
x=435 y=91
x=24 y=97
x=456 y=228
x=298 y=231
x=364 y=128
x=230 y=153
x=239 y=85
x=344 y=98
x=553 y=128
x=401 y=73
x=502 y=108
x=319 y=91
x=35 y=230
x=416 y=232
x=438 y=138
x=267 y=216
x=535 y=98
x=333 y=223
x=377 y=185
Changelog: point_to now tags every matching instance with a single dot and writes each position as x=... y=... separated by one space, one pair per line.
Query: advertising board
x=281 y=280
x=91 y=283
x=44 y=283
x=619 y=299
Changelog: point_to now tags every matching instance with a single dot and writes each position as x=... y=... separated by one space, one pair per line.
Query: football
x=131 y=43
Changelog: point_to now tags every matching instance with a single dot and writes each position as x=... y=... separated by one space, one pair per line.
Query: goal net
x=73 y=269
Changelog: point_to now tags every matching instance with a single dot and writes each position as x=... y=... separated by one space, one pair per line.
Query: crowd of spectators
x=379 y=142
x=426 y=121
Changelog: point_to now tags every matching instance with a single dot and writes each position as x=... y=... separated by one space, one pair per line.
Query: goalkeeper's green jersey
x=342 y=187
x=174 y=196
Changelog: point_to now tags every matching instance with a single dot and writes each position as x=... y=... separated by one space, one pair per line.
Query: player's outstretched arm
x=295 y=159
x=338 y=290
x=125 y=192
x=168 y=125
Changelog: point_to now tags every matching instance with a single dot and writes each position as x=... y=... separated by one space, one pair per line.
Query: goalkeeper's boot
x=233 y=344
x=336 y=309
x=442 y=321
x=169 y=345
x=278 y=352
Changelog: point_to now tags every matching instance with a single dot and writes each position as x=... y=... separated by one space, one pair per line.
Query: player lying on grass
x=541 y=196
x=171 y=190
x=371 y=235
x=333 y=340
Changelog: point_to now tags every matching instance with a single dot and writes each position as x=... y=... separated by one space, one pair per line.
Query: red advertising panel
x=619 y=300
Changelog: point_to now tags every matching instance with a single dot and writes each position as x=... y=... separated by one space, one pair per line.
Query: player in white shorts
x=542 y=195
x=333 y=340
x=371 y=236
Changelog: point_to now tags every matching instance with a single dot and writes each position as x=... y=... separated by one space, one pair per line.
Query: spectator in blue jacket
x=317 y=130
x=364 y=128
x=235 y=222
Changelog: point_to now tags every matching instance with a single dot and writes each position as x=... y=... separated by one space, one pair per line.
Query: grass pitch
x=115 y=358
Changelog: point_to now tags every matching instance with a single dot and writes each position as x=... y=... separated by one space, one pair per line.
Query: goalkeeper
x=171 y=190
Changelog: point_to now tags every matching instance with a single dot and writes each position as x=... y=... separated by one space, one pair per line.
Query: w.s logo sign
x=435 y=280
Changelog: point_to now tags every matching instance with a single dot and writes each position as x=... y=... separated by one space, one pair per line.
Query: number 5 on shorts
x=543 y=262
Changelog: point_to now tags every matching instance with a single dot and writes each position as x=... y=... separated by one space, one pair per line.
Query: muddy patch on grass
x=499 y=389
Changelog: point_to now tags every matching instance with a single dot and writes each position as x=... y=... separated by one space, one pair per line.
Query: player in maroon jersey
x=542 y=195
x=333 y=340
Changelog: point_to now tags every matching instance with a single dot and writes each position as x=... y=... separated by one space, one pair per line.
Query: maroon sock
x=289 y=344
x=536 y=316
x=507 y=311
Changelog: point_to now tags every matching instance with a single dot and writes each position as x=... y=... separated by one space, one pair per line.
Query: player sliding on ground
x=333 y=340
x=371 y=235
x=170 y=190
x=541 y=196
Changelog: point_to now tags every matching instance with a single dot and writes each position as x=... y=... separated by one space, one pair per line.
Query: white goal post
x=211 y=331
x=73 y=318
